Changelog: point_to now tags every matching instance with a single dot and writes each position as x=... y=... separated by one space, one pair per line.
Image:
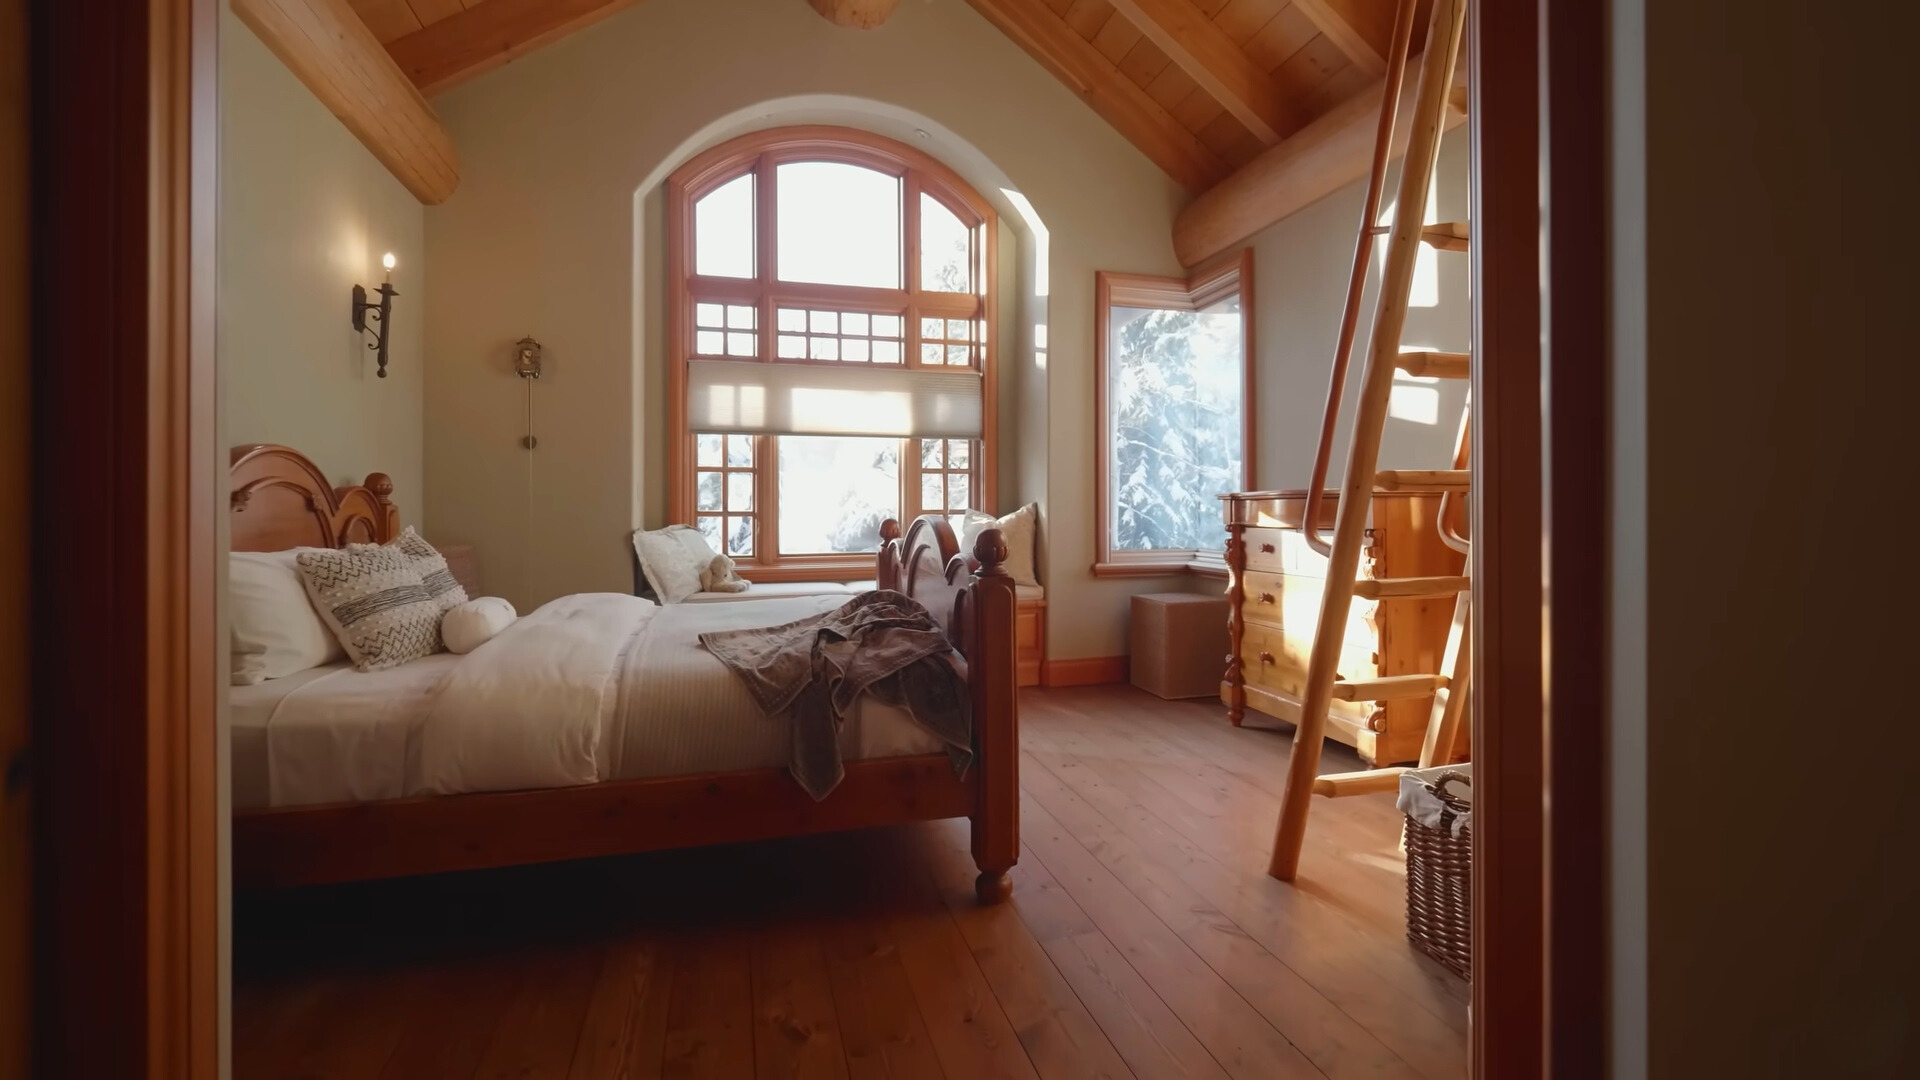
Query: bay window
x=1174 y=389
x=831 y=324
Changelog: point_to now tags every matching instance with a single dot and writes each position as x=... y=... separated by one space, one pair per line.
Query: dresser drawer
x=1266 y=549
x=1275 y=661
x=1292 y=601
x=1282 y=551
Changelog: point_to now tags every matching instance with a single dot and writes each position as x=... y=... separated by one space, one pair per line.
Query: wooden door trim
x=126 y=470
x=1508 y=860
x=1541 y=396
x=1576 y=365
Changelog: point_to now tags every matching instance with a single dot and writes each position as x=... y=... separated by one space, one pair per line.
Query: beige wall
x=1300 y=281
x=563 y=152
x=305 y=214
x=1762 y=766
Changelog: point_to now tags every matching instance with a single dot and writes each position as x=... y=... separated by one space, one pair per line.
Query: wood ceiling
x=1257 y=107
x=441 y=43
x=1202 y=86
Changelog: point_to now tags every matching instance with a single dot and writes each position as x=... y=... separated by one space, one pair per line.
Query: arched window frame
x=761 y=153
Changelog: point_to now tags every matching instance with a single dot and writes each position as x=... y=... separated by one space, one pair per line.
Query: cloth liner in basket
x=1420 y=801
x=1438 y=803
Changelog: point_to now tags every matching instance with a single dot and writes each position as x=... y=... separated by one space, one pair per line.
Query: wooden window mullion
x=766 y=533
x=909 y=480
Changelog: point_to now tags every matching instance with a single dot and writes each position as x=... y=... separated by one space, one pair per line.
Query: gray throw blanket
x=881 y=642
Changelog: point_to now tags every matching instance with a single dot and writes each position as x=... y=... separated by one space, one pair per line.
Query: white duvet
x=589 y=687
x=528 y=708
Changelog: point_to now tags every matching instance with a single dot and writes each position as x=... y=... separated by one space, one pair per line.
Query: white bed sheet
x=681 y=712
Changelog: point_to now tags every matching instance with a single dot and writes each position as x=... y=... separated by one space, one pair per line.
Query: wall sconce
x=365 y=310
x=526 y=364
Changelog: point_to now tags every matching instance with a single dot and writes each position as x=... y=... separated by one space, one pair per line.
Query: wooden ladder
x=1448 y=687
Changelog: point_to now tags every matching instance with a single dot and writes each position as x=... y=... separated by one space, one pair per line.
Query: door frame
x=1577 y=374
x=126 y=503
x=1539 y=86
x=1508 y=857
x=124 y=522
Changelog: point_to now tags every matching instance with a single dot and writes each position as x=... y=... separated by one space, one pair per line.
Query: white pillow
x=275 y=630
x=1019 y=528
x=465 y=627
x=673 y=559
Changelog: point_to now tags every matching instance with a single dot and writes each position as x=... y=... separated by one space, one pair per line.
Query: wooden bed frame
x=282 y=500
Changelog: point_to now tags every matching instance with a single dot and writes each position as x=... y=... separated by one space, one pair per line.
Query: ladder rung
x=1435 y=365
x=1410 y=587
x=1447 y=236
x=1388 y=688
x=1438 y=480
x=1370 y=782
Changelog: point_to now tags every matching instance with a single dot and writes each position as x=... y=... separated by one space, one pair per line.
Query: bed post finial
x=990 y=551
x=888 y=566
x=381 y=485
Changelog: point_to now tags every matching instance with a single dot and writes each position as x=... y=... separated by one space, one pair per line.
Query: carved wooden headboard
x=928 y=565
x=282 y=500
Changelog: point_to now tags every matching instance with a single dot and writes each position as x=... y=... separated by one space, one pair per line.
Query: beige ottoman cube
x=1179 y=647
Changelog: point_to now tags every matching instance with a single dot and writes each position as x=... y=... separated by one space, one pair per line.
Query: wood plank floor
x=1143 y=939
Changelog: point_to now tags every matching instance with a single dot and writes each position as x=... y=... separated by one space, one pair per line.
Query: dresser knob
x=1266 y=658
x=1266 y=598
x=1266 y=549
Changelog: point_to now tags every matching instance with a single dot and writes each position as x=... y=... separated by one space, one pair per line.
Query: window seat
x=766 y=590
x=763 y=590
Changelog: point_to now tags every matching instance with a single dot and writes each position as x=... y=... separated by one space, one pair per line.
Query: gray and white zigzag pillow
x=375 y=602
x=429 y=564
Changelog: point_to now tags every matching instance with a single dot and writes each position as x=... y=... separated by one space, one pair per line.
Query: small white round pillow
x=466 y=627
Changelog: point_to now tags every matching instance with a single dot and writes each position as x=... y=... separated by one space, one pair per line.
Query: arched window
x=831 y=311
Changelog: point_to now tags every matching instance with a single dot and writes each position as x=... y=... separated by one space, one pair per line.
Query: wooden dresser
x=1274 y=583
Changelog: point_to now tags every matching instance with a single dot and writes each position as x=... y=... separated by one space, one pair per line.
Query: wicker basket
x=1440 y=881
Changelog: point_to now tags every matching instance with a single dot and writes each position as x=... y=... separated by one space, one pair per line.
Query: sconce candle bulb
x=379 y=314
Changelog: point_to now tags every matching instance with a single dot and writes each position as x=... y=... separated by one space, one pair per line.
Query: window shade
x=832 y=399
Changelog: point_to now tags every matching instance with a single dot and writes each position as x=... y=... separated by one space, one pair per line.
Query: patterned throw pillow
x=375 y=603
x=426 y=561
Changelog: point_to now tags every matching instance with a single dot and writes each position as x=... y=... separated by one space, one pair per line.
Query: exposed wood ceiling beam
x=1204 y=51
x=1361 y=29
x=1316 y=161
x=1074 y=61
x=452 y=50
x=329 y=49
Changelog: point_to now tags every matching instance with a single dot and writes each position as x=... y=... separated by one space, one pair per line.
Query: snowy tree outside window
x=1175 y=381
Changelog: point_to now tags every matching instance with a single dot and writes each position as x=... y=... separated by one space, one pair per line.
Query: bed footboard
x=973 y=599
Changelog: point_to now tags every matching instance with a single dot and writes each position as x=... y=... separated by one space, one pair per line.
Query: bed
x=666 y=781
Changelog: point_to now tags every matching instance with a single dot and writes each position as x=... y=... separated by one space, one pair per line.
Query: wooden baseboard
x=1088 y=671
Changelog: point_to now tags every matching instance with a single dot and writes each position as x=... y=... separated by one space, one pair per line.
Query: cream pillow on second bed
x=466 y=627
x=673 y=559
x=1018 y=528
